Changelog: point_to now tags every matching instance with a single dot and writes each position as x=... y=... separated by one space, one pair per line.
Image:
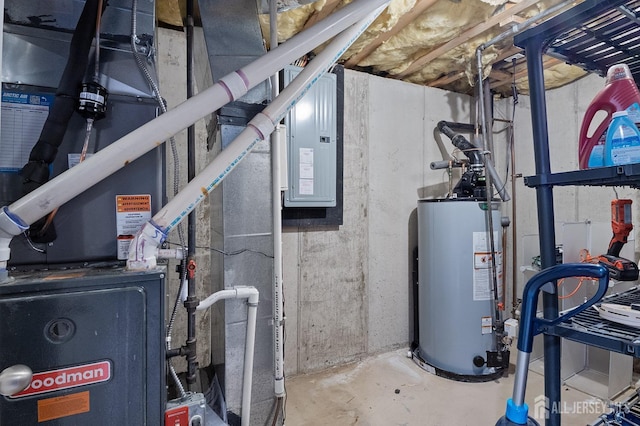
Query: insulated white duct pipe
x=17 y=217
x=143 y=251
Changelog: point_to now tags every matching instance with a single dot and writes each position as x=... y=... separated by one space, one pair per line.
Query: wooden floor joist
x=317 y=16
x=465 y=37
x=417 y=10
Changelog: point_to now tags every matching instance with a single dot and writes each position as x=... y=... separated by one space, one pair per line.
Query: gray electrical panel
x=312 y=144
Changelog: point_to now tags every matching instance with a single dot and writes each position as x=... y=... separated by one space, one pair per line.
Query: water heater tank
x=455 y=299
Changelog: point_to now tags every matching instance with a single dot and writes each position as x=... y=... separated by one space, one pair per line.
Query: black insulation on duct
x=36 y=172
x=460 y=142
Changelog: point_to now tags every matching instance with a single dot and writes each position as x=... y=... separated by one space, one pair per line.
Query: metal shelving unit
x=588 y=327
x=626 y=175
x=593 y=35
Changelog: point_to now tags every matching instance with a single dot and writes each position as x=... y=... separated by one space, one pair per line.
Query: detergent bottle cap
x=620 y=114
x=618 y=72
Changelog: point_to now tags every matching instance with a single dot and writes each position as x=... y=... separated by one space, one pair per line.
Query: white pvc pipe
x=247 y=378
x=69 y=184
x=252 y=296
x=276 y=197
x=260 y=127
x=142 y=253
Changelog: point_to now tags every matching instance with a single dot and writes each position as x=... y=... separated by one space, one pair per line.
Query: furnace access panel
x=94 y=340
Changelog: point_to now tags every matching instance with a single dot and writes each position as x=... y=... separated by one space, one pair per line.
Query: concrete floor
x=390 y=389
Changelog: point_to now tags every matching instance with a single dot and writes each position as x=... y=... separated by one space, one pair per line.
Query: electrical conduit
x=28 y=209
x=276 y=167
x=142 y=254
x=252 y=296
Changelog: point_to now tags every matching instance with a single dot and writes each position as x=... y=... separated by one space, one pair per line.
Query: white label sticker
x=74 y=159
x=23 y=117
x=306 y=186
x=306 y=171
x=487 y=325
x=482 y=283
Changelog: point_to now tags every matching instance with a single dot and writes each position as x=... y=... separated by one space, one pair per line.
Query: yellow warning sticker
x=133 y=203
x=63 y=406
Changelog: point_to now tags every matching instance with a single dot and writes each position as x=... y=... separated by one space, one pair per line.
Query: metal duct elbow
x=460 y=142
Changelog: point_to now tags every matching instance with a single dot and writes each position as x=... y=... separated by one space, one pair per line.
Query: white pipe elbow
x=143 y=251
x=250 y=293
x=10 y=226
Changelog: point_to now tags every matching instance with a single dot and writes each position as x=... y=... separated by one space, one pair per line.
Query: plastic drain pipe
x=252 y=296
x=144 y=247
x=17 y=217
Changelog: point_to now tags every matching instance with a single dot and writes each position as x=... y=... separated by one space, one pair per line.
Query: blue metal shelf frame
x=588 y=327
x=624 y=175
x=553 y=37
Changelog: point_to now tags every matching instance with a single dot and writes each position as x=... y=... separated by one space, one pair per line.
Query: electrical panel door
x=312 y=134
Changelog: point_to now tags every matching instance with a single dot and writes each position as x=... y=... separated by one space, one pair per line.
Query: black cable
x=228 y=253
x=276 y=415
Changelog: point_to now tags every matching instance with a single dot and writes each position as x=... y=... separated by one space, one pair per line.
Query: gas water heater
x=455 y=295
x=459 y=277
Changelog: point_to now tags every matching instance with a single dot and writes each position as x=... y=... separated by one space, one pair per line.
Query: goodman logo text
x=65 y=378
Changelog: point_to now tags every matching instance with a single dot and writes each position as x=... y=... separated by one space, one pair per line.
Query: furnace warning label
x=132 y=211
x=482 y=259
x=63 y=406
x=22 y=118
